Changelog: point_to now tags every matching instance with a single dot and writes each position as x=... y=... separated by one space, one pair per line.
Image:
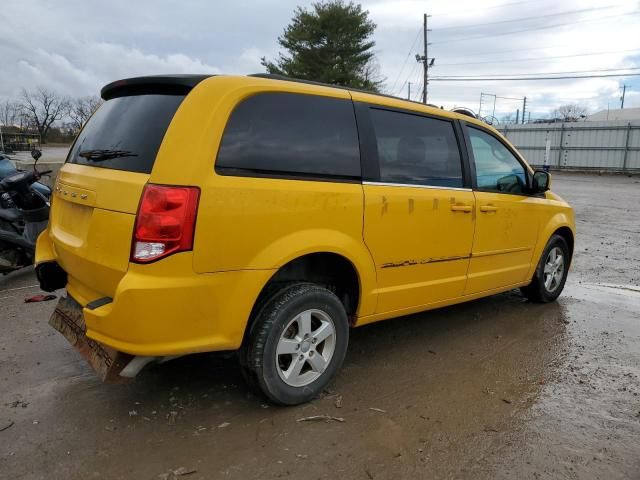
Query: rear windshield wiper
x=97 y=155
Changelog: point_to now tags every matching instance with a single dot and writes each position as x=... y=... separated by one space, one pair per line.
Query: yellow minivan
x=268 y=216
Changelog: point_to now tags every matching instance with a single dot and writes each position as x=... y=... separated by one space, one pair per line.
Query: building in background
x=625 y=114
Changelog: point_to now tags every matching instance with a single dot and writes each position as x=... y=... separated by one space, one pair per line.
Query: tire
x=541 y=291
x=287 y=355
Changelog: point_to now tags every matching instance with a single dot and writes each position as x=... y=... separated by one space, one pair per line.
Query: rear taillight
x=165 y=222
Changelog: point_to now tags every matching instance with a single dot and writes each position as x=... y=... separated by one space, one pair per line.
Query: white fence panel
x=579 y=145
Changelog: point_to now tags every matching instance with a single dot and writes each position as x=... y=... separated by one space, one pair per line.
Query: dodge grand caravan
x=268 y=216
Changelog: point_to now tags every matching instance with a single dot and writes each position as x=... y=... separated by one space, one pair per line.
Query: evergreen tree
x=330 y=43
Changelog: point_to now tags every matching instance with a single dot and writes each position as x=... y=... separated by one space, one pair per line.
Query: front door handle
x=461 y=208
x=488 y=208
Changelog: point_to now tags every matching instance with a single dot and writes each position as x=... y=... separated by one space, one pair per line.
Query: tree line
x=47 y=113
x=570 y=112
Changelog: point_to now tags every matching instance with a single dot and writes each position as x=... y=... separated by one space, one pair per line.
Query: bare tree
x=508 y=119
x=80 y=109
x=571 y=112
x=9 y=113
x=371 y=74
x=43 y=108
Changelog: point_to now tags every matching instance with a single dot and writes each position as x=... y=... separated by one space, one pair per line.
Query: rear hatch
x=98 y=189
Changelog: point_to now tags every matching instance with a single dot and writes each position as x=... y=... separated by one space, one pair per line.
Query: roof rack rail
x=275 y=76
x=464 y=111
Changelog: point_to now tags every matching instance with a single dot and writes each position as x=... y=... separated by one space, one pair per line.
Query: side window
x=497 y=169
x=284 y=133
x=416 y=150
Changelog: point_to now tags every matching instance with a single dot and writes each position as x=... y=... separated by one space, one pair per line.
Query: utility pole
x=409 y=91
x=425 y=60
x=517 y=116
x=524 y=107
x=624 y=89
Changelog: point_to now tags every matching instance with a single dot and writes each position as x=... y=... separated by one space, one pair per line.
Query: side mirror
x=36 y=154
x=541 y=181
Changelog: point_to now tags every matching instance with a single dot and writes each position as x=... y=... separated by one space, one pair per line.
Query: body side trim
x=500 y=252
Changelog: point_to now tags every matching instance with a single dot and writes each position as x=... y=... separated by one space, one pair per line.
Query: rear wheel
x=297 y=344
x=551 y=272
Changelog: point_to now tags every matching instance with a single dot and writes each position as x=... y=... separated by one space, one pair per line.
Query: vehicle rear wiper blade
x=105 y=154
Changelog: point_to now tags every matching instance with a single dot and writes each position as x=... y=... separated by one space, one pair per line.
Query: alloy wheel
x=305 y=348
x=553 y=269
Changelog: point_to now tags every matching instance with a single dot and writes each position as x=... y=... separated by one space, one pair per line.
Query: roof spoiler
x=158 y=84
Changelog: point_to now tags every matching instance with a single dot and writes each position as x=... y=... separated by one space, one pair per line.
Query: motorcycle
x=7 y=168
x=21 y=224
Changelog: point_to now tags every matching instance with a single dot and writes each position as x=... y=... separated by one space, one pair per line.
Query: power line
x=405 y=60
x=522 y=19
x=548 y=47
x=418 y=93
x=544 y=27
x=411 y=73
x=490 y=7
x=487 y=79
x=519 y=60
x=540 y=73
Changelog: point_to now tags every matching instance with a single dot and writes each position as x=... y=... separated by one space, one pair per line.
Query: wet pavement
x=496 y=388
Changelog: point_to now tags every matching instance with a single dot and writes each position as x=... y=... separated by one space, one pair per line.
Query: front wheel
x=551 y=272
x=297 y=343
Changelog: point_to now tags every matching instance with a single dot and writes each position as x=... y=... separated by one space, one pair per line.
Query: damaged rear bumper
x=108 y=363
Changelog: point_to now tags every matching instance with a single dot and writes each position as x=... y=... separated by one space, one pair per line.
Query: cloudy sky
x=76 y=46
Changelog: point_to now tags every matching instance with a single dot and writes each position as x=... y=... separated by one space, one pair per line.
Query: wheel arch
x=305 y=243
x=333 y=270
x=561 y=224
x=566 y=233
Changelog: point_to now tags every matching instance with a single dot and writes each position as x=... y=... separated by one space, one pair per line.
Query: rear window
x=286 y=134
x=125 y=133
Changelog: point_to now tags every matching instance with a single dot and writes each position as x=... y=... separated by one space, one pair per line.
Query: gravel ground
x=496 y=388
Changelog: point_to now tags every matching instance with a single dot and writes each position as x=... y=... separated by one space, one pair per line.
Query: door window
x=497 y=169
x=416 y=150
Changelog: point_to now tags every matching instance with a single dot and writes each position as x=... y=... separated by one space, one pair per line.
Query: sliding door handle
x=461 y=208
x=488 y=208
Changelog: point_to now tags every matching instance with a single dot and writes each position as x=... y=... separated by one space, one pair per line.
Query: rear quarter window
x=286 y=134
x=125 y=133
